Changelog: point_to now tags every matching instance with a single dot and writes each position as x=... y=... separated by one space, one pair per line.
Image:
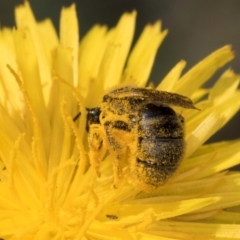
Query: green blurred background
x=196 y=28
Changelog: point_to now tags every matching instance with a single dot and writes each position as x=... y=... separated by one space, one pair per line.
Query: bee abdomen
x=162 y=127
x=160 y=145
x=160 y=122
x=160 y=151
x=158 y=159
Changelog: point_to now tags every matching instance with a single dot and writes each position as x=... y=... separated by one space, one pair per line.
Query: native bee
x=139 y=124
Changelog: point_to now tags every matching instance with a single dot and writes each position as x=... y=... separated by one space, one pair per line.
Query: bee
x=138 y=124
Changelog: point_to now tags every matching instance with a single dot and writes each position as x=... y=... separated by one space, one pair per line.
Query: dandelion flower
x=48 y=188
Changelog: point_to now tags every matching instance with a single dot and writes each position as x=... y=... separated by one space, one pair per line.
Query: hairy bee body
x=160 y=145
x=139 y=120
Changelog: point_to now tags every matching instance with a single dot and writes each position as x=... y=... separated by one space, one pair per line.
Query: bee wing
x=153 y=96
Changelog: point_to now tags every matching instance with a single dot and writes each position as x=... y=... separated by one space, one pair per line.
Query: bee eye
x=93 y=117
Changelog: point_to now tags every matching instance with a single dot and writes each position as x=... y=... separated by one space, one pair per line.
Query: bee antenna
x=77 y=116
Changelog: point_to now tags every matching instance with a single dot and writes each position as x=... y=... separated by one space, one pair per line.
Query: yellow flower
x=48 y=188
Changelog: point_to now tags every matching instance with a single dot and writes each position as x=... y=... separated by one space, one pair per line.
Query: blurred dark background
x=196 y=28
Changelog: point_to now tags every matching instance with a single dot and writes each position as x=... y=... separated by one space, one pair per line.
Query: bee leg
x=117 y=147
x=95 y=142
x=117 y=170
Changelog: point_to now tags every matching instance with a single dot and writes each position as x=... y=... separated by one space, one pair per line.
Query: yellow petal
x=132 y=213
x=117 y=50
x=28 y=64
x=142 y=57
x=209 y=121
x=167 y=84
x=25 y=20
x=50 y=43
x=90 y=57
x=204 y=70
x=224 y=87
x=10 y=95
x=220 y=158
x=188 y=230
x=69 y=37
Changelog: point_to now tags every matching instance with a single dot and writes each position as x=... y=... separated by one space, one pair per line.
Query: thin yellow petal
x=227 y=200
x=215 y=161
x=25 y=19
x=151 y=236
x=117 y=50
x=98 y=230
x=17 y=224
x=69 y=37
x=10 y=96
x=90 y=57
x=200 y=73
x=142 y=57
x=167 y=84
x=189 y=187
x=6 y=36
x=132 y=213
x=200 y=93
x=198 y=231
x=226 y=217
x=50 y=43
x=59 y=93
x=224 y=87
x=28 y=63
x=209 y=121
